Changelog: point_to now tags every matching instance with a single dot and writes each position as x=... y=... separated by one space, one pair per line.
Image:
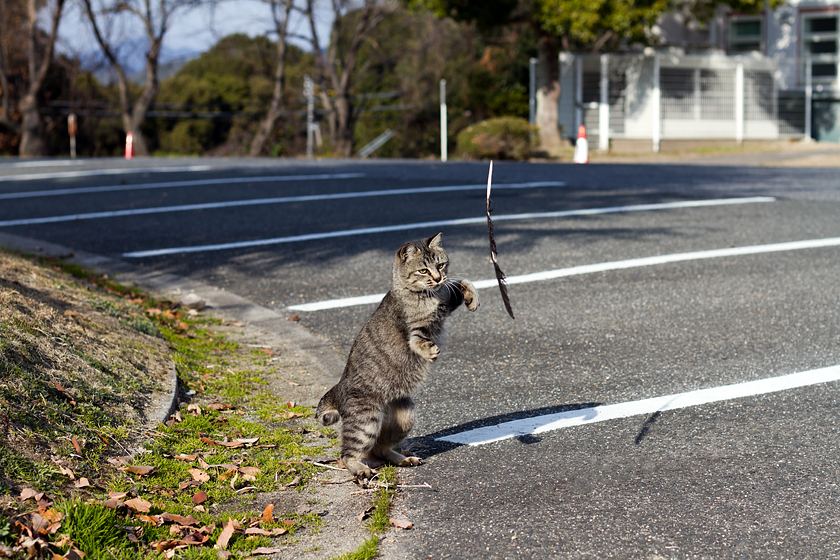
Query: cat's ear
x=434 y=241
x=406 y=251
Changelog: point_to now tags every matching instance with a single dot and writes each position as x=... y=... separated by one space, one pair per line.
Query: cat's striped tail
x=327 y=411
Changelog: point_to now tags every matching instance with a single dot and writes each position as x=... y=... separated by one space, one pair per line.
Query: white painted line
x=92 y=172
x=175 y=184
x=443 y=223
x=263 y=201
x=550 y=422
x=599 y=267
x=44 y=163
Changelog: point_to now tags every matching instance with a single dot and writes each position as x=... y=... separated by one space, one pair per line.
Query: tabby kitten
x=392 y=354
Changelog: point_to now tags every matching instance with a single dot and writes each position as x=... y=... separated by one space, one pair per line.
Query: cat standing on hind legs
x=391 y=356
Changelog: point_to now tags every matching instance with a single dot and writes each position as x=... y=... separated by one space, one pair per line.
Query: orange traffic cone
x=581 y=146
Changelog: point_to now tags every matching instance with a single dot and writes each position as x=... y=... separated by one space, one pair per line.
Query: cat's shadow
x=430 y=445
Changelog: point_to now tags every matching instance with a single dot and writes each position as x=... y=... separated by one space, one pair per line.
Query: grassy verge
x=80 y=356
x=380 y=517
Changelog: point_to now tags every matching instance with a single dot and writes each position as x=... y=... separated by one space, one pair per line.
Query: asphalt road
x=751 y=472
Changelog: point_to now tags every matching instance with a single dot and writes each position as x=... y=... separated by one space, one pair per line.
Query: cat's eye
x=441 y=265
x=423 y=271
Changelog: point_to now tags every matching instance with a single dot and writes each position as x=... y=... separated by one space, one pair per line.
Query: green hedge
x=498 y=138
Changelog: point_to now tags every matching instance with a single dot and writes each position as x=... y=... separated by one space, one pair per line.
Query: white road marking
x=175 y=184
x=444 y=223
x=263 y=201
x=599 y=267
x=44 y=163
x=550 y=422
x=92 y=172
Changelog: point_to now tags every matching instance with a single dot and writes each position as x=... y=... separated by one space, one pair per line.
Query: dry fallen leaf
x=227 y=533
x=139 y=505
x=200 y=497
x=82 y=483
x=117 y=495
x=199 y=475
x=364 y=514
x=249 y=473
x=141 y=470
x=239 y=442
x=401 y=523
x=76 y=445
x=27 y=493
x=66 y=472
x=219 y=406
x=188 y=458
x=268 y=514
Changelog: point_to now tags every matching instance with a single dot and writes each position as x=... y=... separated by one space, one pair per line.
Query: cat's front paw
x=470 y=295
x=429 y=351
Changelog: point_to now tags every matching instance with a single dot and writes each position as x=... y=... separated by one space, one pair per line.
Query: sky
x=193 y=32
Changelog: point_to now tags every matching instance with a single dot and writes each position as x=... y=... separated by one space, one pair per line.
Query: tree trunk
x=32 y=130
x=344 y=126
x=548 y=92
x=270 y=120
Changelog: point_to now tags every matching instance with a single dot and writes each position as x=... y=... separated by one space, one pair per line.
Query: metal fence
x=666 y=96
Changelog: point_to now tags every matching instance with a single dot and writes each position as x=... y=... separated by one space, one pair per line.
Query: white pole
x=72 y=127
x=809 y=97
x=604 y=107
x=657 y=105
x=739 y=102
x=443 y=135
x=309 y=92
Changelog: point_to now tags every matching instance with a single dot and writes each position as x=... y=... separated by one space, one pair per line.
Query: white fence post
x=657 y=104
x=604 y=107
x=443 y=135
x=809 y=97
x=739 y=102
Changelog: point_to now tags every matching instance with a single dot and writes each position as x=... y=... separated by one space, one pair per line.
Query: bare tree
x=155 y=18
x=336 y=69
x=280 y=12
x=12 y=19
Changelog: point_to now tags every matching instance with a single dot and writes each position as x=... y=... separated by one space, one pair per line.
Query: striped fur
x=392 y=354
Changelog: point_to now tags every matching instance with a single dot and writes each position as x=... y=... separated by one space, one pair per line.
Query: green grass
x=96 y=530
x=380 y=519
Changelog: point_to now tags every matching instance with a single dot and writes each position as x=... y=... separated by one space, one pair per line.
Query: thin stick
x=328 y=466
x=500 y=276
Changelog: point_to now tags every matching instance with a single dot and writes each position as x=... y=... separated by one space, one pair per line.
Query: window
x=819 y=44
x=745 y=34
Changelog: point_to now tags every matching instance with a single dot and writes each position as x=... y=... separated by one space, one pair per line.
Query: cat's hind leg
x=359 y=432
x=396 y=424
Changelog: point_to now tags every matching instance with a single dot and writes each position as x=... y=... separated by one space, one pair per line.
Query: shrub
x=499 y=138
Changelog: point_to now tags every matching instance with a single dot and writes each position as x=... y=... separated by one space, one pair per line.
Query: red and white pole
x=129 y=145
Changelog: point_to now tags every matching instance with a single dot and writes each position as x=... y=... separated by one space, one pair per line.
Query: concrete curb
x=323 y=364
